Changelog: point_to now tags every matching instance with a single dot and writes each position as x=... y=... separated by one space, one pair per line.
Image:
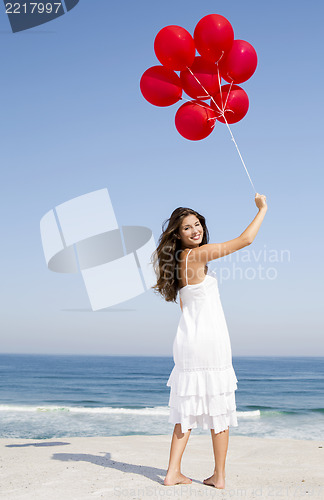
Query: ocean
x=52 y=396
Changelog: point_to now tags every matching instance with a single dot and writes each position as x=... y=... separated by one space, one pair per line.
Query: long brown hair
x=165 y=258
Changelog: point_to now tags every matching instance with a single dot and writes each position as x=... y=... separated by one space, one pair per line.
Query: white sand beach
x=133 y=467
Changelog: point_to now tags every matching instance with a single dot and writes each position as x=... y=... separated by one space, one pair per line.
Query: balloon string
x=207 y=93
x=222 y=113
x=239 y=153
x=228 y=93
x=207 y=107
x=201 y=105
x=220 y=88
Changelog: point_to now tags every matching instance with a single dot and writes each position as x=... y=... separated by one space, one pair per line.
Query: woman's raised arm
x=213 y=251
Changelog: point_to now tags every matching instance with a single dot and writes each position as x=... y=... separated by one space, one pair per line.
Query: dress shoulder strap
x=186 y=265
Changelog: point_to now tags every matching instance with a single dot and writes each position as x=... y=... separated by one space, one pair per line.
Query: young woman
x=202 y=381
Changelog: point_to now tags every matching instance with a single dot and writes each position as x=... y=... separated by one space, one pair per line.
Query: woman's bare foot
x=173 y=478
x=216 y=480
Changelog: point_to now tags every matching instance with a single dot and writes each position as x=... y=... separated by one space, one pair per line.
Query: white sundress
x=202 y=381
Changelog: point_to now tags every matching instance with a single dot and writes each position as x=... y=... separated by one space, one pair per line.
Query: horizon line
x=152 y=355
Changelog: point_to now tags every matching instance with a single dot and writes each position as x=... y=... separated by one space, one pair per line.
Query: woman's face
x=191 y=232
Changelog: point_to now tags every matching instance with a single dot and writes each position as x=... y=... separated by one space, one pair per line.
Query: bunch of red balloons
x=200 y=76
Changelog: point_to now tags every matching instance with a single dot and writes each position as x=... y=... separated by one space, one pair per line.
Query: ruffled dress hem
x=203 y=397
x=219 y=423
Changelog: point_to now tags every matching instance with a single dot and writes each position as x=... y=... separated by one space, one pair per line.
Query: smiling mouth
x=196 y=237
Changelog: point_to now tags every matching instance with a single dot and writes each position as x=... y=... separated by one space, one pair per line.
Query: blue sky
x=73 y=120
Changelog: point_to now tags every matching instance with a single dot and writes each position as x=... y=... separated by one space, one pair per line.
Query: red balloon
x=174 y=47
x=240 y=63
x=195 y=120
x=236 y=103
x=213 y=36
x=161 y=86
x=206 y=72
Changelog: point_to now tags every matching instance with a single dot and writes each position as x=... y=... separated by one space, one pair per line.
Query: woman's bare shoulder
x=182 y=254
